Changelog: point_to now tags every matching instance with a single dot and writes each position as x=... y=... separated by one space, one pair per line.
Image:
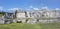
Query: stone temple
x=34 y=16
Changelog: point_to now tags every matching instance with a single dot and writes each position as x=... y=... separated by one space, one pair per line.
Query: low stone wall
x=2 y=20
x=28 y=20
x=34 y=21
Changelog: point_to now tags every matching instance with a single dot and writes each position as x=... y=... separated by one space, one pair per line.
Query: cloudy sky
x=6 y=5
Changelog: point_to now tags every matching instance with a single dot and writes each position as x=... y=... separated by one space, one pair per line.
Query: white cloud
x=31 y=6
x=13 y=9
x=57 y=8
x=1 y=8
x=35 y=8
x=44 y=7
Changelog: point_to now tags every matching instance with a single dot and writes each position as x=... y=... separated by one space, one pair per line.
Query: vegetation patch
x=30 y=26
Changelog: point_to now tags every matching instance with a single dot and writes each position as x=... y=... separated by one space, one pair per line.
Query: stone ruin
x=29 y=20
x=2 y=21
x=34 y=21
x=5 y=21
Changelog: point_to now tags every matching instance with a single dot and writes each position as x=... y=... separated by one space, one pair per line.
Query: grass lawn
x=50 y=26
x=1 y=15
x=19 y=26
x=30 y=26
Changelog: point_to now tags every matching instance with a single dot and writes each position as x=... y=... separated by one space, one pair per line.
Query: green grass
x=1 y=15
x=19 y=26
x=30 y=26
x=50 y=26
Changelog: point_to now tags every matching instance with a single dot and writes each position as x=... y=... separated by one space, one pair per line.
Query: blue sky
x=25 y=4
